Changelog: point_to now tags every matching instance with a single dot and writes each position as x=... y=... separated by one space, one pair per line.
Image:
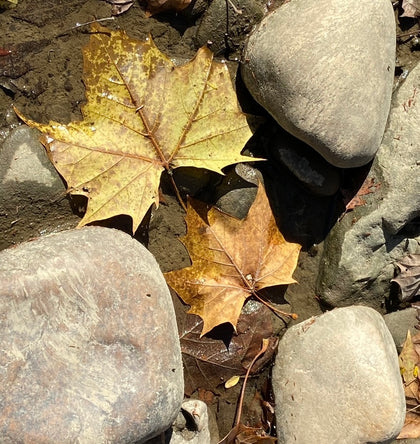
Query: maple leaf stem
x=412 y=409
x=241 y=398
x=178 y=195
x=276 y=310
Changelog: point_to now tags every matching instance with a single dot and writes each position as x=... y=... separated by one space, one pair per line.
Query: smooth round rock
x=324 y=70
x=89 y=348
x=336 y=379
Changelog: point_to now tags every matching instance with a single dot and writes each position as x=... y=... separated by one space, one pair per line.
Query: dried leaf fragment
x=411 y=428
x=231 y=382
x=411 y=8
x=409 y=360
x=157 y=6
x=143 y=115
x=409 y=277
x=368 y=186
x=241 y=434
x=231 y=260
x=120 y=6
x=8 y=4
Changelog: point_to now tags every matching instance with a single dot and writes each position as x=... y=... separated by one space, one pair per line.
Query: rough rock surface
x=336 y=379
x=192 y=426
x=88 y=339
x=360 y=251
x=224 y=25
x=324 y=70
x=32 y=195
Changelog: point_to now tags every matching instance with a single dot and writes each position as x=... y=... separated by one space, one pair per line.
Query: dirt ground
x=41 y=74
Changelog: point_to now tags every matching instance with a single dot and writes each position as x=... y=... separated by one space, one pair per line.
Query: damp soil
x=41 y=74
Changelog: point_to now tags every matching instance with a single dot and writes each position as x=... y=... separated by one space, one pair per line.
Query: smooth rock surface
x=32 y=195
x=399 y=323
x=89 y=349
x=324 y=70
x=361 y=250
x=336 y=379
x=236 y=192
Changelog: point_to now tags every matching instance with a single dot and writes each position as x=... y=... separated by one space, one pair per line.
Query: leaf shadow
x=223 y=332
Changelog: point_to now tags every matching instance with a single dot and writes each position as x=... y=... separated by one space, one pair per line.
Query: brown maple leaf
x=209 y=361
x=231 y=260
x=143 y=115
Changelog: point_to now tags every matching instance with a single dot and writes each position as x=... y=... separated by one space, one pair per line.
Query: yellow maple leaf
x=143 y=115
x=231 y=260
x=408 y=360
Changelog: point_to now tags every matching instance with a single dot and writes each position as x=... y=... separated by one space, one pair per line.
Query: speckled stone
x=89 y=348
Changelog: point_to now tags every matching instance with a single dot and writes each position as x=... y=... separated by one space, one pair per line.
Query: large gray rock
x=89 y=348
x=336 y=379
x=360 y=252
x=324 y=70
x=32 y=195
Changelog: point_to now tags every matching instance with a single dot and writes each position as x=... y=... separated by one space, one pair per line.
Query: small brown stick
x=230 y=437
x=412 y=409
x=241 y=399
x=80 y=25
x=408 y=34
x=238 y=11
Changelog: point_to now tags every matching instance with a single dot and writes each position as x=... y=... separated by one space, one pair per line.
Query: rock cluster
x=89 y=348
x=361 y=251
